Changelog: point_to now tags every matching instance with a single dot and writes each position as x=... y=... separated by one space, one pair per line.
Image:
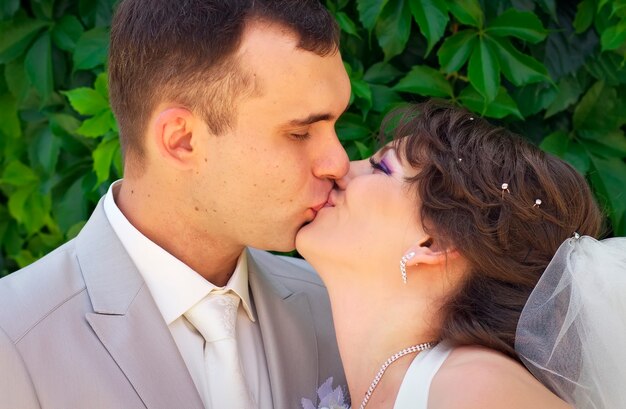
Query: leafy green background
x=553 y=71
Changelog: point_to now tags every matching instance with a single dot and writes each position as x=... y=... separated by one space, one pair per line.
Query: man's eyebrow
x=311 y=119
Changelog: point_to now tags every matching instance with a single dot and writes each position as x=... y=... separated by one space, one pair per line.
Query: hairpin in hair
x=505 y=187
x=471 y=118
x=537 y=203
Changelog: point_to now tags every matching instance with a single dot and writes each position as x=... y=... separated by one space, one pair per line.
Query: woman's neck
x=373 y=323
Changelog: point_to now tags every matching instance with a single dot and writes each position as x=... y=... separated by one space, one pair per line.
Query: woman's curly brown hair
x=462 y=162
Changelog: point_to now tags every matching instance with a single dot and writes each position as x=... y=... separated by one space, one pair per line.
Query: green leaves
x=42 y=153
x=569 y=92
x=29 y=207
x=66 y=33
x=94 y=102
x=91 y=49
x=614 y=37
x=609 y=180
x=501 y=106
x=104 y=156
x=468 y=12
x=513 y=23
x=432 y=18
x=87 y=101
x=369 y=10
x=18 y=174
x=518 y=68
x=26 y=204
x=455 y=51
x=9 y=121
x=16 y=35
x=350 y=127
x=426 y=81
x=8 y=8
x=345 y=23
x=38 y=66
x=584 y=15
x=484 y=70
x=393 y=27
x=599 y=109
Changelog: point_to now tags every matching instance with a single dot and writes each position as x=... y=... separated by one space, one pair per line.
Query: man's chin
x=286 y=245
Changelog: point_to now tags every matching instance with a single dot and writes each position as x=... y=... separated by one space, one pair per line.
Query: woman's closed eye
x=381 y=166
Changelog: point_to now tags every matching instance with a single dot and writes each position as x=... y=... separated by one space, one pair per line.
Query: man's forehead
x=267 y=34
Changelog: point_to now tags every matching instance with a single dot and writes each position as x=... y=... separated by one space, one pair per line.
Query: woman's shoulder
x=478 y=377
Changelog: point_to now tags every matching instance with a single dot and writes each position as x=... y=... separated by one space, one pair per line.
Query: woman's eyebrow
x=385 y=149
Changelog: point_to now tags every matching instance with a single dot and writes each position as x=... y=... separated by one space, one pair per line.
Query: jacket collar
x=127 y=321
x=287 y=329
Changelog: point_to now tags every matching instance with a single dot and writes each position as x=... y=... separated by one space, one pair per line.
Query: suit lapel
x=288 y=336
x=128 y=322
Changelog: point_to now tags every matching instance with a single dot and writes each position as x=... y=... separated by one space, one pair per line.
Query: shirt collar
x=174 y=286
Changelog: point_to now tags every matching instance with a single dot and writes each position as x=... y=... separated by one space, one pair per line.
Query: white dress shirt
x=175 y=288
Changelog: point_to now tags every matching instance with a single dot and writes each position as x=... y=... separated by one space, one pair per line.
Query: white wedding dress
x=571 y=334
x=415 y=386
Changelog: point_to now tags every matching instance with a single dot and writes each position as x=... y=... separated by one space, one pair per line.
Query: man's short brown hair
x=182 y=52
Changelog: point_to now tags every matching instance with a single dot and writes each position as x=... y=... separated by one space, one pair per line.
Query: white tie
x=215 y=318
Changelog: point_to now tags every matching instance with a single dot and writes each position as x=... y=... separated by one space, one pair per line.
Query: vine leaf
x=38 y=65
x=523 y=25
x=432 y=18
x=91 y=49
x=468 y=12
x=394 y=27
x=520 y=69
x=484 y=70
x=369 y=10
x=426 y=81
x=456 y=49
x=502 y=106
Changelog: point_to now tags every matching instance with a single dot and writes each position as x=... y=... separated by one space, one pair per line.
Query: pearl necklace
x=392 y=359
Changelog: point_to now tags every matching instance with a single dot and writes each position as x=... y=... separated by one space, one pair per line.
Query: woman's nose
x=357 y=168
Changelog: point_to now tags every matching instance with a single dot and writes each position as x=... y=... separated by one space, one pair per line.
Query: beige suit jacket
x=79 y=329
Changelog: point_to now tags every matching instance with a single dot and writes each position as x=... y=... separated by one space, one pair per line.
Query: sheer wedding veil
x=572 y=332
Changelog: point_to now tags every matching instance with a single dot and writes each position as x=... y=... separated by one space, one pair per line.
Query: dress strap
x=413 y=393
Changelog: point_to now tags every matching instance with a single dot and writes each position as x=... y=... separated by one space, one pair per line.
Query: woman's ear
x=426 y=252
x=173 y=135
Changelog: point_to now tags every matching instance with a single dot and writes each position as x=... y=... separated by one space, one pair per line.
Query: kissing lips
x=317 y=209
x=327 y=202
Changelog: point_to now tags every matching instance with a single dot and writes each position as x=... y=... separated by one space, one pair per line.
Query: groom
x=226 y=112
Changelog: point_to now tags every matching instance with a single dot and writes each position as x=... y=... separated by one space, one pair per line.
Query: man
x=226 y=112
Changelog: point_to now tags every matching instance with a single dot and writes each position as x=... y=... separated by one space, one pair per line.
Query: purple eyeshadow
x=385 y=167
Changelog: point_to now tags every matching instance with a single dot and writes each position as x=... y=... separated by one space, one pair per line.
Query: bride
x=430 y=251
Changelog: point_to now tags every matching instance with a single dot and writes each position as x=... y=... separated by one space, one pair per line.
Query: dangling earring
x=403 y=262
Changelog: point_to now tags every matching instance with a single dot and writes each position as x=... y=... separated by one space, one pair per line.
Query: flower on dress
x=329 y=398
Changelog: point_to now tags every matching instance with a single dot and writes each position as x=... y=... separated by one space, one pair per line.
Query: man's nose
x=357 y=168
x=333 y=162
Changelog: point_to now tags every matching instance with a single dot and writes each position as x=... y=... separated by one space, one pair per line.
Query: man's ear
x=174 y=135
x=426 y=252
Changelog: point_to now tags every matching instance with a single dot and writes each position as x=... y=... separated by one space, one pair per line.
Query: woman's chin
x=305 y=239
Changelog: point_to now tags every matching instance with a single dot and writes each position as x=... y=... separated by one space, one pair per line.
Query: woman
x=435 y=245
